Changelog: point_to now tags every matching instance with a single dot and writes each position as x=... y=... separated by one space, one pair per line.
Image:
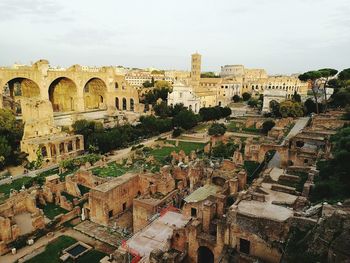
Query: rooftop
x=155 y=235
x=109 y=185
x=202 y=193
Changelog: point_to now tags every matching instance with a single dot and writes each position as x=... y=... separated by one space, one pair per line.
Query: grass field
x=112 y=170
x=15 y=185
x=187 y=147
x=233 y=127
x=51 y=210
x=53 y=251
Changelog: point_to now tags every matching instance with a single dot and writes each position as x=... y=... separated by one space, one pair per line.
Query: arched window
x=124 y=103
x=132 y=104
x=117 y=103
x=116 y=85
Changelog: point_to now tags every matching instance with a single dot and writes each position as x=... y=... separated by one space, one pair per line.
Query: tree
x=312 y=77
x=177 y=132
x=290 y=108
x=318 y=78
x=253 y=102
x=177 y=108
x=5 y=151
x=236 y=98
x=185 y=119
x=217 y=129
x=275 y=109
x=225 y=111
x=327 y=74
x=162 y=84
x=209 y=75
x=342 y=97
x=11 y=130
x=246 y=96
x=162 y=110
x=222 y=150
x=344 y=76
x=267 y=126
x=214 y=113
x=147 y=84
x=296 y=97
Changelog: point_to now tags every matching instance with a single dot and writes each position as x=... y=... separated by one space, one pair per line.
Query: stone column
x=48 y=150
x=110 y=103
x=65 y=147
x=57 y=147
x=74 y=145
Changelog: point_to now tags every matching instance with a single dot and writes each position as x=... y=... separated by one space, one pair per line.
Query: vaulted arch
x=63 y=94
x=94 y=94
x=17 y=88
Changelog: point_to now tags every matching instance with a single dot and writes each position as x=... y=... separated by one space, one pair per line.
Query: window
x=43 y=151
x=124 y=206
x=180 y=95
x=132 y=104
x=117 y=103
x=110 y=213
x=70 y=146
x=193 y=212
x=124 y=103
x=244 y=246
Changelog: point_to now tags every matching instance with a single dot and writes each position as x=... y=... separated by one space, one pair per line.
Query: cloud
x=33 y=10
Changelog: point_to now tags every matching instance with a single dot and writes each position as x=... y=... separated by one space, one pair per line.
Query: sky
x=282 y=36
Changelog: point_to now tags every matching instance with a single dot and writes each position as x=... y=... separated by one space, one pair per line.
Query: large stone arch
x=63 y=94
x=15 y=89
x=205 y=255
x=281 y=150
x=95 y=90
x=274 y=95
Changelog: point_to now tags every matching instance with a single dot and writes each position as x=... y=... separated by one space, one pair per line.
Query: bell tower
x=196 y=69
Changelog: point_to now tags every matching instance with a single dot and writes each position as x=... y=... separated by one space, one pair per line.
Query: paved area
x=101 y=233
x=24 y=222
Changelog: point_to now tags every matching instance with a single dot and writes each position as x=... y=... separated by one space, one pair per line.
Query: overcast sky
x=282 y=36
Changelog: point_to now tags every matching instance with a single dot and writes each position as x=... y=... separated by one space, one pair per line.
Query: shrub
x=217 y=129
x=267 y=126
x=246 y=96
x=177 y=132
x=236 y=98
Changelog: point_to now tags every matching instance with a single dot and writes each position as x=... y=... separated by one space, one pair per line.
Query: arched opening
x=299 y=144
x=124 y=103
x=94 y=93
x=16 y=89
x=218 y=181
x=62 y=94
x=117 y=103
x=132 y=106
x=205 y=255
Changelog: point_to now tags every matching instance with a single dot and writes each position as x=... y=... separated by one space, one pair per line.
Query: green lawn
x=187 y=147
x=112 y=170
x=234 y=127
x=53 y=252
x=16 y=185
x=51 y=210
x=202 y=127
